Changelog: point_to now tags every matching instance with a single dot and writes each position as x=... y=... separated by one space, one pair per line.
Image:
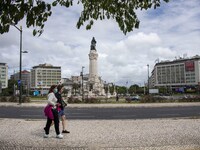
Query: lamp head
x=24 y=51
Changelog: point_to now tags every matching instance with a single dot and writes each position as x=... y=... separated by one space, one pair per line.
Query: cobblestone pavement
x=155 y=134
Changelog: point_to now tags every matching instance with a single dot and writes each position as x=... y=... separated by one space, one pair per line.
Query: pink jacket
x=48 y=111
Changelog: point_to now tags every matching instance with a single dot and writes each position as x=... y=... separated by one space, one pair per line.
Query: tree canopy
x=36 y=12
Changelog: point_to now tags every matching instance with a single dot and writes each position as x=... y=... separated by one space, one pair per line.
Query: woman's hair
x=52 y=88
x=59 y=87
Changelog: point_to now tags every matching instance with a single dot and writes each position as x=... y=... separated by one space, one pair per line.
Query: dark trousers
x=56 y=122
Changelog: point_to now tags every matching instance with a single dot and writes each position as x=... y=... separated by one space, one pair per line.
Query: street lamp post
x=82 y=83
x=148 y=78
x=20 y=63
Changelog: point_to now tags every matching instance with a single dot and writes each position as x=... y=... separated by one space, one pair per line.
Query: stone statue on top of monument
x=93 y=44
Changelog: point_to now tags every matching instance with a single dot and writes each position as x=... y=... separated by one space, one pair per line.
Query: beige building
x=25 y=78
x=76 y=79
x=3 y=75
x=43 y=76
x=182 y=73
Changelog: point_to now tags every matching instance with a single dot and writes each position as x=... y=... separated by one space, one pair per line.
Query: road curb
x=138 y=105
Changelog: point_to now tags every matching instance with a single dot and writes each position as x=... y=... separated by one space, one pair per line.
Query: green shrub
x=92 y=100
x=3 y=99
x=13 y=99
x=157 y=99
x=73 y=100
x=190 y=99
x=26 y=99
x=152 y=99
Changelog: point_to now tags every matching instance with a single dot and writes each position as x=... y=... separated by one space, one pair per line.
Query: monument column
x=93 y=55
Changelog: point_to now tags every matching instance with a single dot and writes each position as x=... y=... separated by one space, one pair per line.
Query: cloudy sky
x=173 y=30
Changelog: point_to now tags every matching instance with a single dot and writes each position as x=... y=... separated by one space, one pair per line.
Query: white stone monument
x=95 y=86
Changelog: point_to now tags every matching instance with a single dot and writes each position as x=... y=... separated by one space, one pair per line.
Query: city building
x=3 y=76
x=76 y=79
x=25 y=79
x=43 y=76
x=179 y=75
x=68 y=84
x=75 y=82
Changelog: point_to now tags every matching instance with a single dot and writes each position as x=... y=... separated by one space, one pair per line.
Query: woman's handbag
x=63 y=103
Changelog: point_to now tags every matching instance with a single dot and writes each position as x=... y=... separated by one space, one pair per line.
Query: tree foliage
x=133 y=88
x=36 y=12
x=10 y=89
x=121 y=90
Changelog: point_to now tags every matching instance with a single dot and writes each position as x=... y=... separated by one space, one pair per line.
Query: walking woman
x=62 y=107
x=51 y=112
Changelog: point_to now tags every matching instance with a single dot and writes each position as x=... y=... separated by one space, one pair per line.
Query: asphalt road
x=105 y=113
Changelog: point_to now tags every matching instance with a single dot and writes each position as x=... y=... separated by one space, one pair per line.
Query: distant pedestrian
x=51 y=111
x=62 y=107
x=117 y=97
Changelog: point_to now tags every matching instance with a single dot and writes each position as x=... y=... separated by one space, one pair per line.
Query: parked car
x=133 y=98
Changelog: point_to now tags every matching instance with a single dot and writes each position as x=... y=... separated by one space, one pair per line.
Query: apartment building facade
x=3 y=76
x=179 y=74
x=43 y=76
x=25 y=78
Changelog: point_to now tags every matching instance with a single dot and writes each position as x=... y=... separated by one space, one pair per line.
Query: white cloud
x=169 y=31
x=162 y=52
x=143 y=39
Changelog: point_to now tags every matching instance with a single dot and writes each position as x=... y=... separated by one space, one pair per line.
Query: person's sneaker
x=46 y=135
x=65 y=131
x=59 y=136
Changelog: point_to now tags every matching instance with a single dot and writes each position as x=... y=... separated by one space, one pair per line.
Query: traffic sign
x=19 y=82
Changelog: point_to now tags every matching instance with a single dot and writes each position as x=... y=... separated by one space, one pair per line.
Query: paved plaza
x=147 y=134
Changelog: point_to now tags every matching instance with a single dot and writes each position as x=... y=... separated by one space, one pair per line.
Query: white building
x=43 y=76
x=3 y=76
x=182 y=73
